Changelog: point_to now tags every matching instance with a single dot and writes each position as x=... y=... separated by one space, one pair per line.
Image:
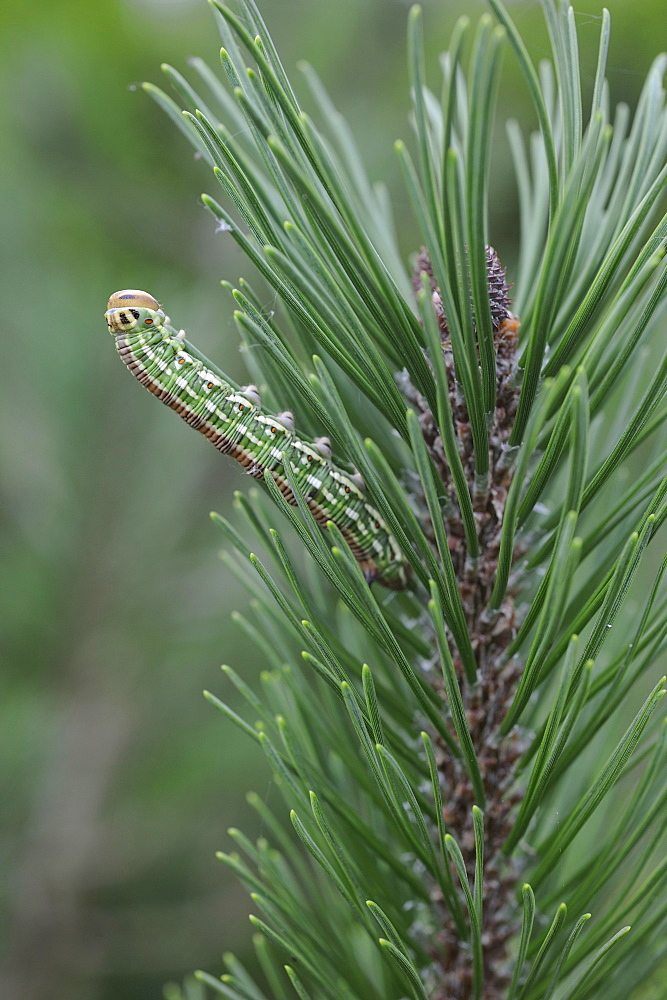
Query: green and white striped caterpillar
x=233 y=420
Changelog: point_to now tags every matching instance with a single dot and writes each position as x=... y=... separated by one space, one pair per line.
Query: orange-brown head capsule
x=131 y=307
x=132 y=297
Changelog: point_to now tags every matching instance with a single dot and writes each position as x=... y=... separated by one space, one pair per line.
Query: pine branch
x=424 y=740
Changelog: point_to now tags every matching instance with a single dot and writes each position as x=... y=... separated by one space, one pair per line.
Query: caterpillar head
x=132 y=308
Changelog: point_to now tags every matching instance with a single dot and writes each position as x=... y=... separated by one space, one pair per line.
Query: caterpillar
x=234 y=421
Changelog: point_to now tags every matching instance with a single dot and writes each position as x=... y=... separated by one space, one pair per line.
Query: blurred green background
x=117 y=779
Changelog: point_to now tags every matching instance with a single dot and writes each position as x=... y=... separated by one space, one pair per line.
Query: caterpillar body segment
x=233 y=420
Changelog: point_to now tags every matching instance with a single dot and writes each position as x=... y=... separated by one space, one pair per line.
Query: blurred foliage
x=118 y=781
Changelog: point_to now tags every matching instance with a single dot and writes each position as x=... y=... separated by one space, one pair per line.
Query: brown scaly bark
x=487 y=703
